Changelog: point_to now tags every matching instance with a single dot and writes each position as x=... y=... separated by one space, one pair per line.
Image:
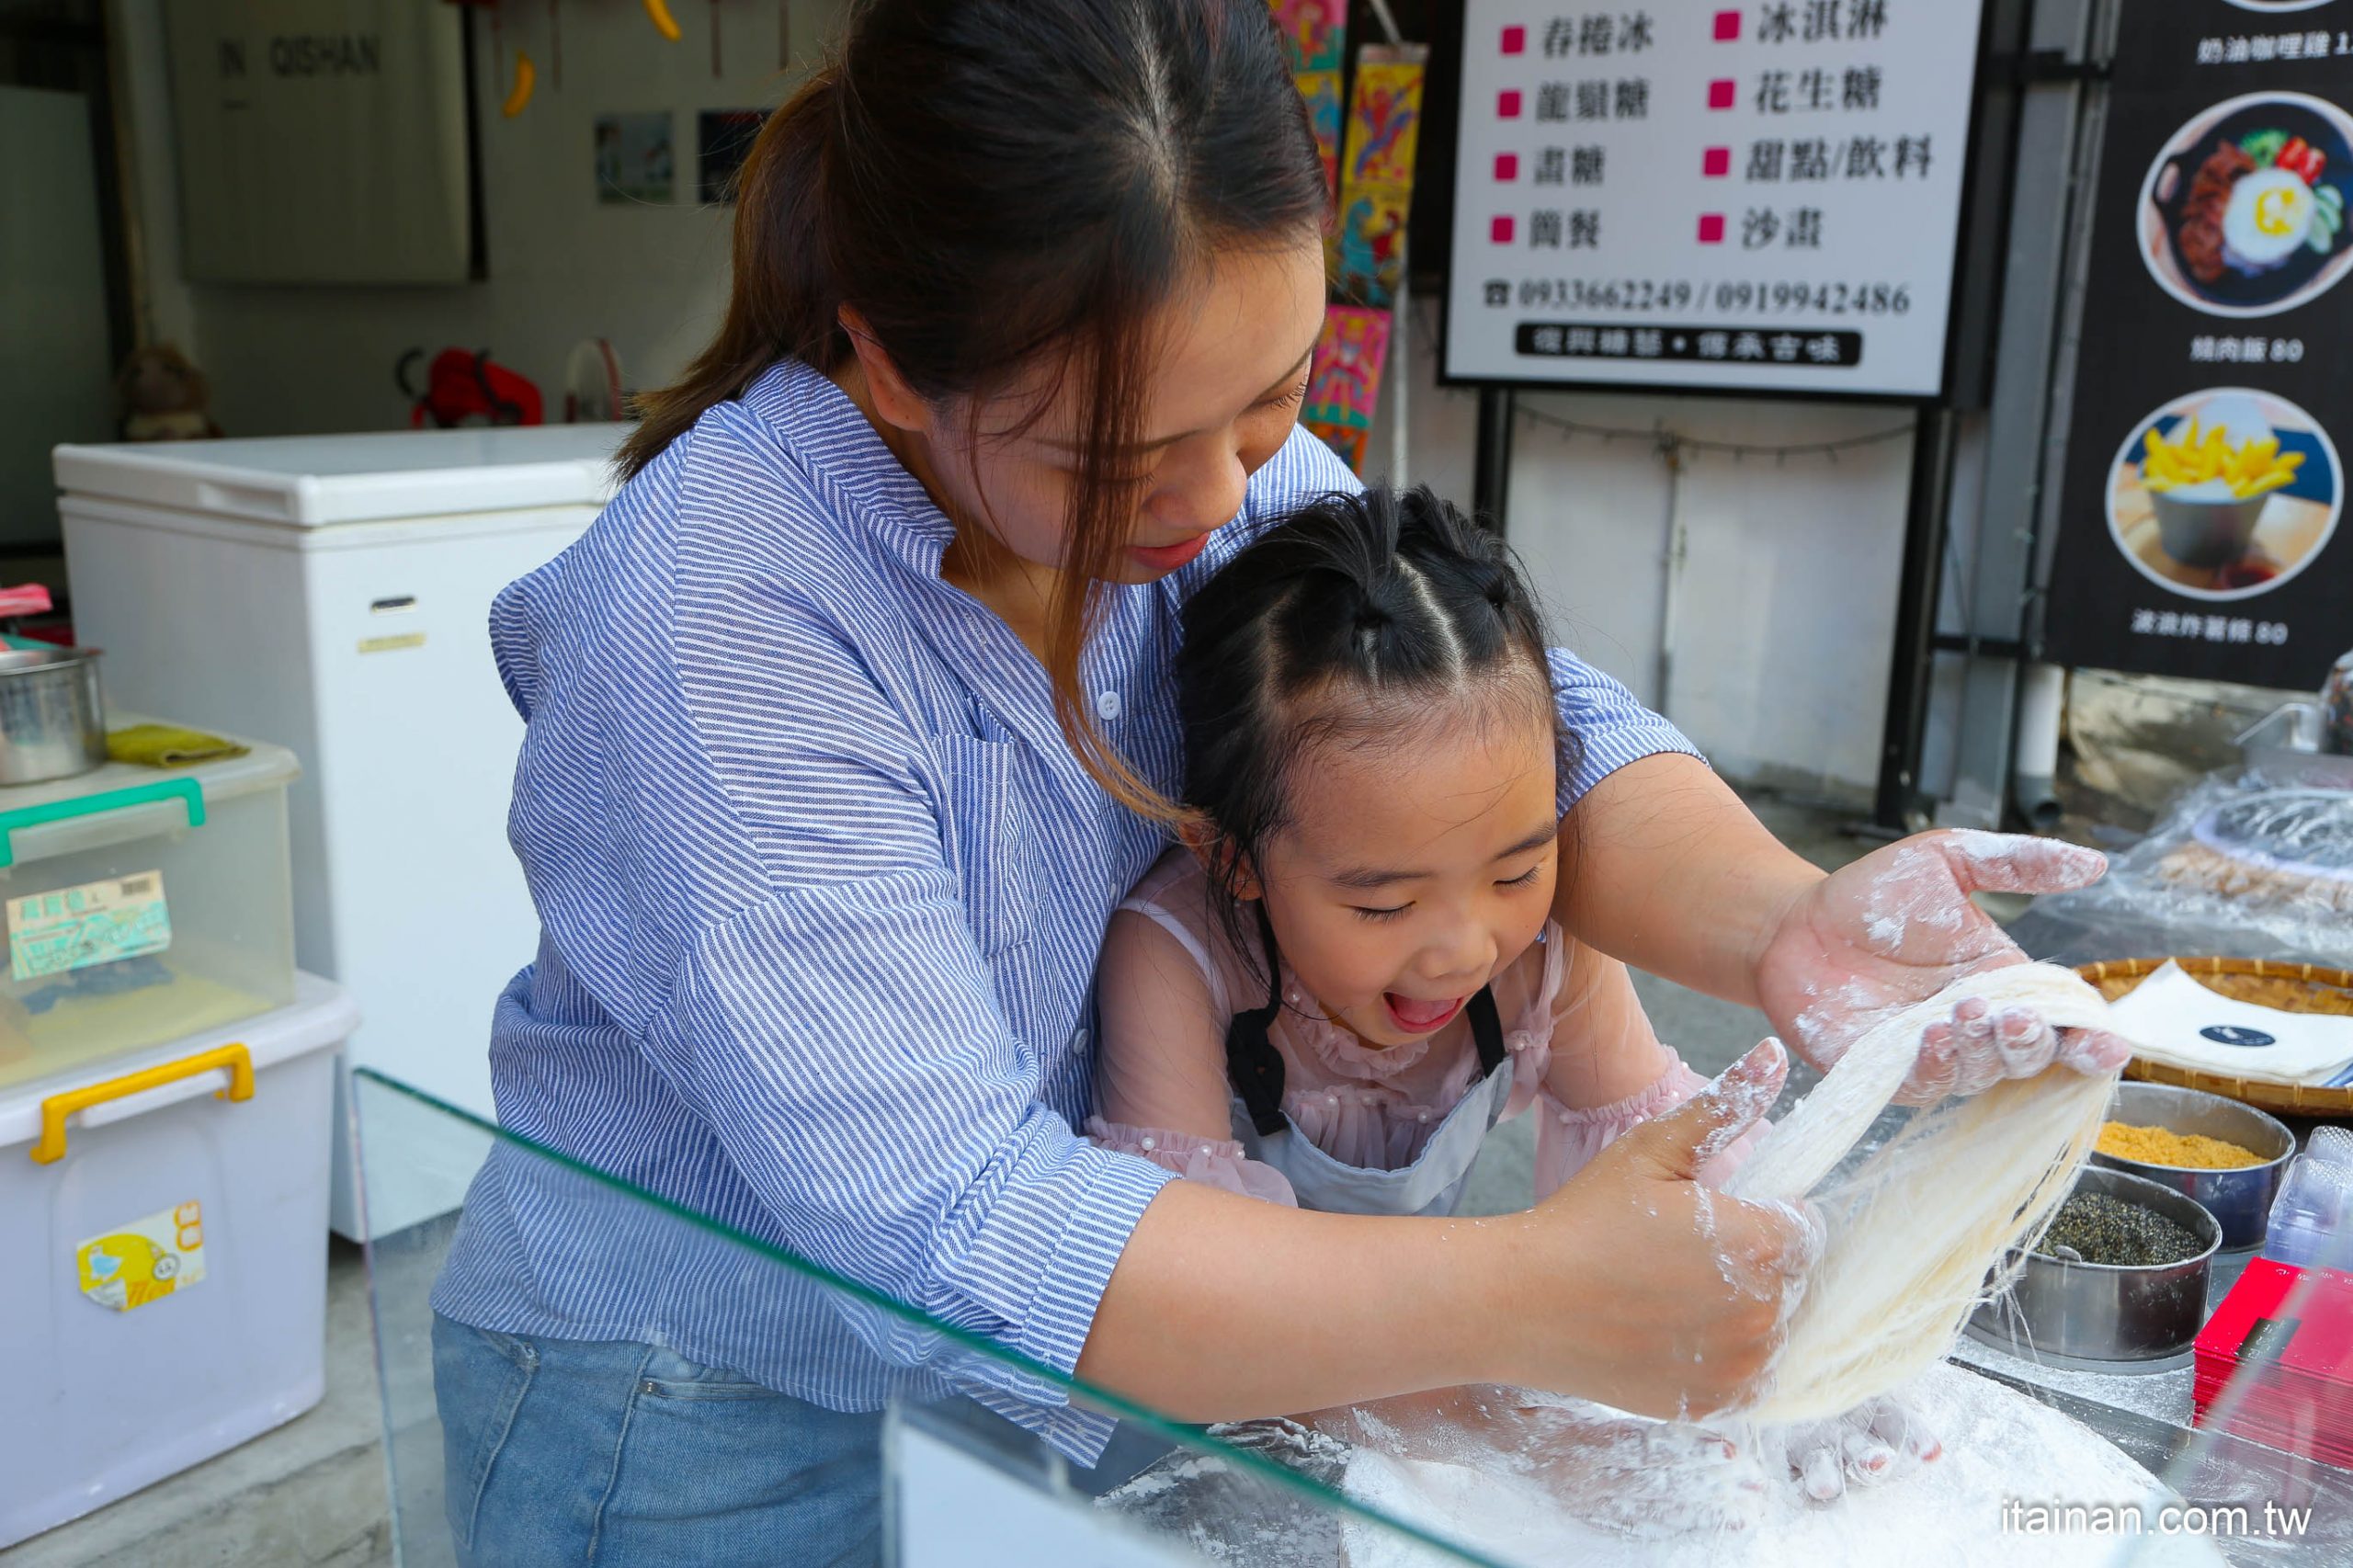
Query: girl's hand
x=1897 y=926
x=1873 y=1444
x=1657 y=1295
x=1638 y=1477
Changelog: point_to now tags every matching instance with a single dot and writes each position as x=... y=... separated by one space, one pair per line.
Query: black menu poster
x=2200 y=530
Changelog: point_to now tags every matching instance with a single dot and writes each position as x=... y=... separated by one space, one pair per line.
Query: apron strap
x=1254 y=1067
x=1486 y=1030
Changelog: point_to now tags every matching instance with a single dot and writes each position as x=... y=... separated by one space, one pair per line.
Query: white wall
x=563 y=267
x=1788 y=613
x=1789 y=590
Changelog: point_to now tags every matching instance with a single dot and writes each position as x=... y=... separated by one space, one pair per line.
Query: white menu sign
x=1762 y=197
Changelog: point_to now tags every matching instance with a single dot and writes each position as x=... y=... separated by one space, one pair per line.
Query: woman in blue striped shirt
x=835 y=719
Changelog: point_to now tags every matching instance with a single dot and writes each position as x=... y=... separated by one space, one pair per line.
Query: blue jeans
x=577 y=1453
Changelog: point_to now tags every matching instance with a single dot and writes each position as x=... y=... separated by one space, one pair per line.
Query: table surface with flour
x=1918 y=1205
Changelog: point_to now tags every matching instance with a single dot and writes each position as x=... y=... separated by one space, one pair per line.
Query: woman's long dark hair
x=988 y=182
x=1355 y=615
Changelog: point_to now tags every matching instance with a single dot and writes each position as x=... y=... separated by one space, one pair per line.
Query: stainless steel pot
x=2240 y=1201
x=52 y=719
x=2099 y=1311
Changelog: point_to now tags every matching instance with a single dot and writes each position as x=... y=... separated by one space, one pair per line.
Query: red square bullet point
x=1716 y=163
x=1507 y=103
x=1721 y=93
x=1500 y=230
x=1506 y=165
x=1727 y=26
x=1515 y=40
x=1711 y=228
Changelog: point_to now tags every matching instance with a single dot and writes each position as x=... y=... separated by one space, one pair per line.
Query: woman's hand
x=1657 y=1295
x=1896 y=928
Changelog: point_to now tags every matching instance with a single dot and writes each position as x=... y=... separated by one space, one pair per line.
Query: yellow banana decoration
x=527 y=79
x=664 y=22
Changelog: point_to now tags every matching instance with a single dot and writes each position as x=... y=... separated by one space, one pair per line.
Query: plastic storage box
x=142 y=905
x=163 y=1221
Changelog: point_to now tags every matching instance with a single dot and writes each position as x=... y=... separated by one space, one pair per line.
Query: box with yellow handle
x=140 y=904
x=162 y=1214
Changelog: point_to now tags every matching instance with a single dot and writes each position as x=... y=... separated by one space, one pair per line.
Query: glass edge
x=1119 y=1405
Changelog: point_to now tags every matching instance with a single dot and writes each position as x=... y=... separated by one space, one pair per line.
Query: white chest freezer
x=332 y=594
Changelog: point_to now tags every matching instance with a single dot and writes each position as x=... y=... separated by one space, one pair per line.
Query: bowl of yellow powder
x=2229 y=1157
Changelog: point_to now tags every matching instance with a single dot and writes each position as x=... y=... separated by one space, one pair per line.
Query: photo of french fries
x=2194 y=456
x=2225 y=493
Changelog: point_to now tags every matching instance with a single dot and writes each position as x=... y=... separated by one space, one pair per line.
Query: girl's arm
x=1608 y=1072
x=1162 y=1056
x=1603 y=1046
x=1160 y=1067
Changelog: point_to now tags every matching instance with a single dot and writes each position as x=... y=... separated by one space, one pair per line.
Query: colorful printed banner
x=1343 y=384
x=1315 y=31
x=1321 y=91
x=1367 y=251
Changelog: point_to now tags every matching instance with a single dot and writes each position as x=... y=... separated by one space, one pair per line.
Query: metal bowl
x=2240 y=1201
x=2105 y=1311
x=53 y=720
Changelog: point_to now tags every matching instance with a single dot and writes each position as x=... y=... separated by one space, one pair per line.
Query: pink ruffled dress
x=1385 y=1114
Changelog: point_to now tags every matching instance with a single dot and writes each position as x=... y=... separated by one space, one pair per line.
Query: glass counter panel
x=960 y=1484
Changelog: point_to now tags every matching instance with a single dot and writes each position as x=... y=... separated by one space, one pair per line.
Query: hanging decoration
x=1314 y=31
x=1377 y=175
x=1321 y=91
x=527 y=79
x=664 y=23
x=1343 y=379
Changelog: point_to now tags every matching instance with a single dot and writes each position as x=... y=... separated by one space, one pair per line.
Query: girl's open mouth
x=1414 y=1016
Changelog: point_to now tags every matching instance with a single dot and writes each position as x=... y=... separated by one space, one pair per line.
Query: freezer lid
x=321 y=481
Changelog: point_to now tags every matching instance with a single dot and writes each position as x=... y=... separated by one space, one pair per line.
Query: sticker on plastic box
x=145 y=1261
x=71 y=929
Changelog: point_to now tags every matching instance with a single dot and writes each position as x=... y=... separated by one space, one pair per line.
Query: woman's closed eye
x=1389 y=914
x=1289 y=396
x=1525 y=879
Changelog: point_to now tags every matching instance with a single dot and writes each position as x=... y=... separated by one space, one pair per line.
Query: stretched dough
x=1914 y=1231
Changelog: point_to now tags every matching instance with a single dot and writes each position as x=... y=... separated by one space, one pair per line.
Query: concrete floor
x=314 y=1494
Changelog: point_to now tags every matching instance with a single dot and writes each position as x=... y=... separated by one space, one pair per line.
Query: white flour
x=1999 y=1446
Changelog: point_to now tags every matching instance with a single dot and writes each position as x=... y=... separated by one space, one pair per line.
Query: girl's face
x=1413 y=872
x=1221 y=401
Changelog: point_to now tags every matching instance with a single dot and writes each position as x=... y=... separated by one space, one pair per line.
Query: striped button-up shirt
x=821 y=887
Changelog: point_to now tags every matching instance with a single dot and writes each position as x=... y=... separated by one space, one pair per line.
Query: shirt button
x=1107 y=704
x=1148 y=1142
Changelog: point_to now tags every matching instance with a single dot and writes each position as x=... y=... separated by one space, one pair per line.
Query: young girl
x=1351 y=976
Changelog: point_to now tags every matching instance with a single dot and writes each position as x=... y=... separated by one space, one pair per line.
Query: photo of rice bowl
x=2224 y=494
x=2243 y=212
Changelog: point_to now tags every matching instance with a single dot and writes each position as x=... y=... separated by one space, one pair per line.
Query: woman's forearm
x=1225 y=1309
x=1663 y=866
